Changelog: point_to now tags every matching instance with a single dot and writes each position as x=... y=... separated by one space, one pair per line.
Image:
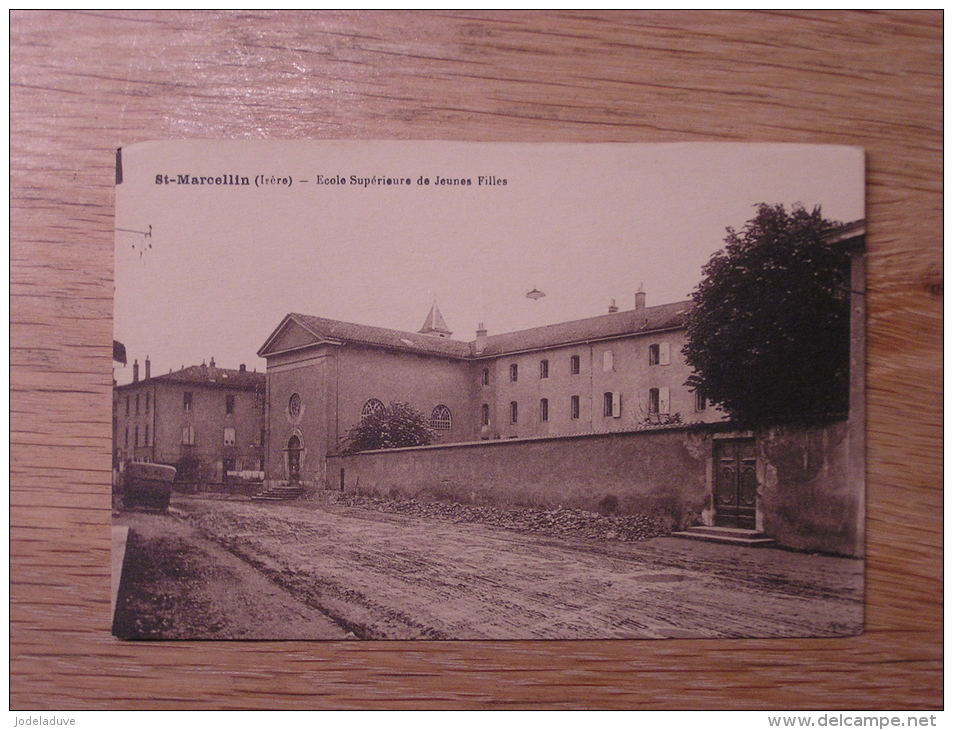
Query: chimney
x=480 y=344
x=241 y=368
x=135 y=371
x=640 y=298
x=148 y=368
x=612 y=307
x=211 y=362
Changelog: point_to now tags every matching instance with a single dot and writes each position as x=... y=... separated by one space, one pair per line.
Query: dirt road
x=177 y=585
x=387 y=576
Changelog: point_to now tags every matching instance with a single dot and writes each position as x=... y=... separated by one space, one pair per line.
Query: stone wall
x=660 y=472
x=808 y=498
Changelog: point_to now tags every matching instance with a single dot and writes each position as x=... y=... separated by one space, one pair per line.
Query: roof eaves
x=579 y=341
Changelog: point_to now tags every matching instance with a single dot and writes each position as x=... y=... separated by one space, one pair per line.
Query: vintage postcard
x=475 y=391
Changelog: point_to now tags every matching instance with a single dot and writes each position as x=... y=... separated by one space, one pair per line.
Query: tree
x=769 y=326
x=395 y=426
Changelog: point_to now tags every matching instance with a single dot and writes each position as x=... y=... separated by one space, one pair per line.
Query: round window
x=294 y=405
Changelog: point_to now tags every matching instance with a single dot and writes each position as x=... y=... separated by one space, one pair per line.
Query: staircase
x=279 y=493
x=727 y=536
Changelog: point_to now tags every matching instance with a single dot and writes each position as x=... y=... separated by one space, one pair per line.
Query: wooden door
x=736 y=483
x=294 y=459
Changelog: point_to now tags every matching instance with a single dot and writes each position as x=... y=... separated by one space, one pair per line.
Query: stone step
x=726 y=531
x=278 y=494
x=727 y=536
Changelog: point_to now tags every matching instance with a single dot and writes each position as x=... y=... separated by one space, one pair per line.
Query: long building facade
x=619 y=372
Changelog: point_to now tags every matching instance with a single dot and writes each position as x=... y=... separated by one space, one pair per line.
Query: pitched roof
x=332 y=329
x=618 y=324
x=206 y=375
x=633 y=321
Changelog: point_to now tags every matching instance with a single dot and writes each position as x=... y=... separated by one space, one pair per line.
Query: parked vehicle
x=147 y=485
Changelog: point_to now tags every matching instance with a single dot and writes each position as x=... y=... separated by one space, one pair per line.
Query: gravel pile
x=559 y=521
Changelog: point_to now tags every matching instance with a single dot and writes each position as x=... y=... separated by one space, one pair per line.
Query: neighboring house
x=204 y=420
x=620 y=371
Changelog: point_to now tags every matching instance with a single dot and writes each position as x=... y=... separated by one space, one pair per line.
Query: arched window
x=514 y=411
x=440 y=418
x=544 y=410
x=485 y=414
x=370 y=408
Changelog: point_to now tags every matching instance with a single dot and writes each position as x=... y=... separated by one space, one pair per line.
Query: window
x=127 y=405
x=574 y=365
x=574 y=407
x=700 y=401
x=514 y=412
x=607 y=361
x=229 y=436
x=372 y=407
x=137 y=436
x=137 y=404
x=658 y=400
x=146 y=442
x=514 y=372
x=543 y=369
x=148 y=399
x=125 y=441
x=544 y=410
x=187 y=402
x=229 y=404
x=188 y=436
x=486 y=376
x=485 y=414
x=612 y=405
x=294 y=405
x=660 y=354
x=440 y=418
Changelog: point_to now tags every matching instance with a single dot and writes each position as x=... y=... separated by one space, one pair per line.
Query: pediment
x=289 y=336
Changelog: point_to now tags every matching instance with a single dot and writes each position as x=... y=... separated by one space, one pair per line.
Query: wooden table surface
x=83 y=83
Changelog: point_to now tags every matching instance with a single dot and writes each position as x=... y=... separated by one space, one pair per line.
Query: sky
x=583 y=223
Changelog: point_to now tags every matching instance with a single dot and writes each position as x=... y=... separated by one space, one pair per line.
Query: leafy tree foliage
x=397 y=425
x=769 y=329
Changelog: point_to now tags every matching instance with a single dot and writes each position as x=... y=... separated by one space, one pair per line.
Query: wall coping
x=715 y=426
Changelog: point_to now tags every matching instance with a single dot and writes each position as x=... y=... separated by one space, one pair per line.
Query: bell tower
x=435 y=324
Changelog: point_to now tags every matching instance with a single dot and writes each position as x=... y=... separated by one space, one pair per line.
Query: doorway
x=294 y=459
x=736 y=484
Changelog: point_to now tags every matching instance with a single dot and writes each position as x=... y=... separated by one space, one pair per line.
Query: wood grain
x=84 y=83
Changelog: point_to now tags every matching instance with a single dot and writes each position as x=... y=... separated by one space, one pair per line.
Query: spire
x=435 y=324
